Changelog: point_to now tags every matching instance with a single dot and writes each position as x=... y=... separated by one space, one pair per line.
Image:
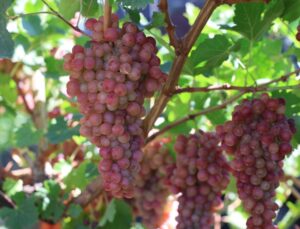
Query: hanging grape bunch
x=200 y=175
x=151 y=193
x=258 y=136
x=111 y=80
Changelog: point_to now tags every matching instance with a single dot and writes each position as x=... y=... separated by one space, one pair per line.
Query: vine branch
x=178 y=64
x=180 y=59
x=163 y=6
x=243 y=90
x=29 y=14
x=93 y=190
x=193 y=116
x=227 y=87
x=57 y=14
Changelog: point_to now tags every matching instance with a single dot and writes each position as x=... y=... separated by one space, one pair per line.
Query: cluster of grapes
x=111 y=79
x=258 y=136
x=151 y=193
x=298 y=33
x=200 y=175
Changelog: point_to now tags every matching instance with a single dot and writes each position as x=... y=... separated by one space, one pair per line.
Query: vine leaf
x=135 y=4
x=109 y=213
x=157 y=20
x=292 y=10
x=32 y=24
x=59 y=131
x=68 y=8
x=24 y=216
x=27 y=135
x=122 y=218
x=6 y=42
x=249 y=21
x=211 y=51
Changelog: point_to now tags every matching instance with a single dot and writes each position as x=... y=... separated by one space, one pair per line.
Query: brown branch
x=193 y=116
x=226 y=87
x=230 y=2
x=178 y=64
x=93 y=190
x=163 y=6
x=22 y=95
x=57 y=14
x=5 y=201
x=107 y=14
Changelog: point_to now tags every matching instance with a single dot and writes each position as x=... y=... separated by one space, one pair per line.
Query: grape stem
x=243 y=90
x=107 y=14
x=181 y=56
x=57 y=14
x=170 y=28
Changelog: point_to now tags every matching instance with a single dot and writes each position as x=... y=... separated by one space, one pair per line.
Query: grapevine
x=258 y=136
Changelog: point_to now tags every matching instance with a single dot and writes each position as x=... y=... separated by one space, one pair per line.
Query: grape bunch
x=150 y=202
x=298 y=33
x=258 y=136
x=200 y=175
x=111 y=80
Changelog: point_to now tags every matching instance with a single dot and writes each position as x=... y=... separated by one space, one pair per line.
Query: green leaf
x=291 y=10
x=68 y=8
x=6 y=131
x=11 y=186
x=135 y=4
x=249 y=21
x=32 y=24
x=81 y=176
x=8 y=90
x=214 y=51
x=134 y=15
x=122 y=218
x=54 y=68
x=157 y=20
x=50 y=201
x=6 y=42
x=74 y=210
x=27 y=135
x=59 y=131
x=23 y=217
x=109 y=213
